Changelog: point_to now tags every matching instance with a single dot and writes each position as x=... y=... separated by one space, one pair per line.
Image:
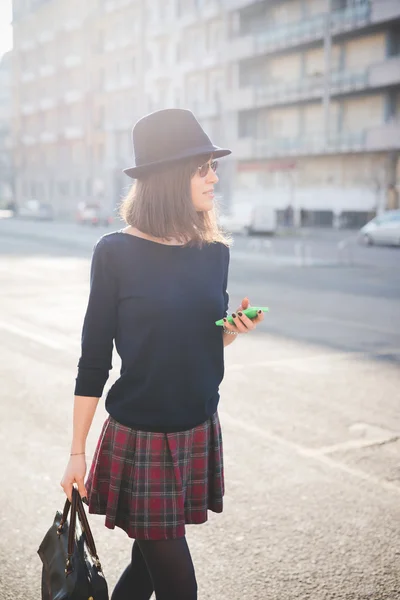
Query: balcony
x=240 y=99
x=113 y=5
x=240 y=47
x=232 y=5
x=117 y=123
x=27 y=45
x=72 y=25
x=47 y=103
x=28 y=109
x=46 y=70
x=384 y=10
x=124 y=83
x=307 y=144
x=110 y=46
x=27 y=76
x=73 y=96
x=386 y=137
x=298 y=33
x=45 y=36
x=186 y=66
x=341 y=82
x=73 y=133
x=206 y=110
x=72 y=60
x=28 y=140
x=47 y=137
x=211 y=11
x=350 y=18
x=385 y=73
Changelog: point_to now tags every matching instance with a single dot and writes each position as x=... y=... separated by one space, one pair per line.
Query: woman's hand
x=243 y=324
x=75 y=473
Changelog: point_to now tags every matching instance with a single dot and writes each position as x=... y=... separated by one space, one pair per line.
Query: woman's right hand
x=75 y=473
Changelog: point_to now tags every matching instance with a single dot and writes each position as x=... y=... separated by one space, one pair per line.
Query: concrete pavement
x=310 y=414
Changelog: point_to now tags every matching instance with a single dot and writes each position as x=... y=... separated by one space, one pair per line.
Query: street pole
x=327 y=78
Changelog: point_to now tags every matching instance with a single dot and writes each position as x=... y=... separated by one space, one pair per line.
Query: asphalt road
x=309 y=409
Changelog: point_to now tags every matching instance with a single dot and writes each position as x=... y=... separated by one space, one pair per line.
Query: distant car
x=33 y=209
x=233 y=224
x=250 y=219
x=93 y=214
x=384 y=229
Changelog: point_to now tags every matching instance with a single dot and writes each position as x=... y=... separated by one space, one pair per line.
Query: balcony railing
x=47 y=137
x=340 y=82
x=27 y=76
x=73 y=132
x=72 y=60
x=46 y=70
x=72 y=96
x=300 y=32
x=206 y=110
x=47 y=103
x=301 y=145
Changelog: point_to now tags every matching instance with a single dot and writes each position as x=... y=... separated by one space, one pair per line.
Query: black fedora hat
x=166 y=136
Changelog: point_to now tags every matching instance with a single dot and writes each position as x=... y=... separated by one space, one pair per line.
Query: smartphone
x=249 y=312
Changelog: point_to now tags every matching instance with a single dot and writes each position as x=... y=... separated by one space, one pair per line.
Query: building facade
x=6 y=165
x=306 y=92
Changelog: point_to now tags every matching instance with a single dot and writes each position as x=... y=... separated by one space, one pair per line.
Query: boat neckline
x=132 y=235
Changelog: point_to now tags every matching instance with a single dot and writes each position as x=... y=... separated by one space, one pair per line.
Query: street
x=309 y=410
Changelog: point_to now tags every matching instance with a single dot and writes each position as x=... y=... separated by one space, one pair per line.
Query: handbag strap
x=78 y=509
x=64 y=517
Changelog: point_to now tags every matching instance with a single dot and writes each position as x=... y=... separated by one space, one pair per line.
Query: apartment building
x=306 y=92
x=316 y=88
x=54 y=69
x=6 y=168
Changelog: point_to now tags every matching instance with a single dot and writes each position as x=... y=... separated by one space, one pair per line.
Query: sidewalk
x=66 y=233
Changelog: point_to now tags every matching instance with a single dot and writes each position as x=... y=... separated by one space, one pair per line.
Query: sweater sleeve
x=99 y=325
x=225 y=282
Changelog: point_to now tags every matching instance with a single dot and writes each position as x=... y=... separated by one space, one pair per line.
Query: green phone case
x=249 y=312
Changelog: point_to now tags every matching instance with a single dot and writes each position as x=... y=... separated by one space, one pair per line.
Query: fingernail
x=225 y=320
x=259 y=312
x=234 y=315
x=85 y=500
x=240 y=314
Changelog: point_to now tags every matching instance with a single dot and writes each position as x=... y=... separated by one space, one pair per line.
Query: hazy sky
x=5 y=26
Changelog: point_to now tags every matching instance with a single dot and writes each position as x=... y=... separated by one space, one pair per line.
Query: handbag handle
x=77 y=508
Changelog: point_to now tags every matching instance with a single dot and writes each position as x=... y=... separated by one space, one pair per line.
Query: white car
x=248 y=219
x=384 y=229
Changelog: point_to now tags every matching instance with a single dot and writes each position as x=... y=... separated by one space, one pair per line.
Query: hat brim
x=140 y=171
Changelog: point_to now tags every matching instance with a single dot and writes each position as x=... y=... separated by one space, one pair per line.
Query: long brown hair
x=160 y=205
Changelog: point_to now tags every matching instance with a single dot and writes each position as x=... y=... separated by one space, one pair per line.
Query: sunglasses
x=203 y=169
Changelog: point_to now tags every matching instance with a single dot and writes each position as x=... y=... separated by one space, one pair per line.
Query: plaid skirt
x=152 y=484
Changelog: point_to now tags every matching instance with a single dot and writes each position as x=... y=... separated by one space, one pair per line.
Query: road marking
x=292 y=360
x=355 y=324
x=35 y=337
x=299 y=360
x=307 y=453
x=354 y=445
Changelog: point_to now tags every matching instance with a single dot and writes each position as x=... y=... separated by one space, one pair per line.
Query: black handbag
x=71 y=568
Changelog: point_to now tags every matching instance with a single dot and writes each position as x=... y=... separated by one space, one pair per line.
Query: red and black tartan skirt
x=152 y=484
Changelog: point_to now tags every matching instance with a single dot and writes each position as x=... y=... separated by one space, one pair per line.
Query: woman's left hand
x=243 y=324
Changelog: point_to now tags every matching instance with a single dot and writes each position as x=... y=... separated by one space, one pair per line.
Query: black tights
x=163 y=566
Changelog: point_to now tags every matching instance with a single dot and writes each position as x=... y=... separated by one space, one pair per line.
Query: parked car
x=91 y=213
x=249 y=219
x=33 y=209
x=383 y=229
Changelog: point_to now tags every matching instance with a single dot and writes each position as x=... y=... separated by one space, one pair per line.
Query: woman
x=157 y=288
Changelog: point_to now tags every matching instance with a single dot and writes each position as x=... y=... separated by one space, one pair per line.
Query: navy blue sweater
x=158 y=304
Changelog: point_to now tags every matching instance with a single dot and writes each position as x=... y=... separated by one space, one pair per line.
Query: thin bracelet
x=229 y=332
x=77 y=453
